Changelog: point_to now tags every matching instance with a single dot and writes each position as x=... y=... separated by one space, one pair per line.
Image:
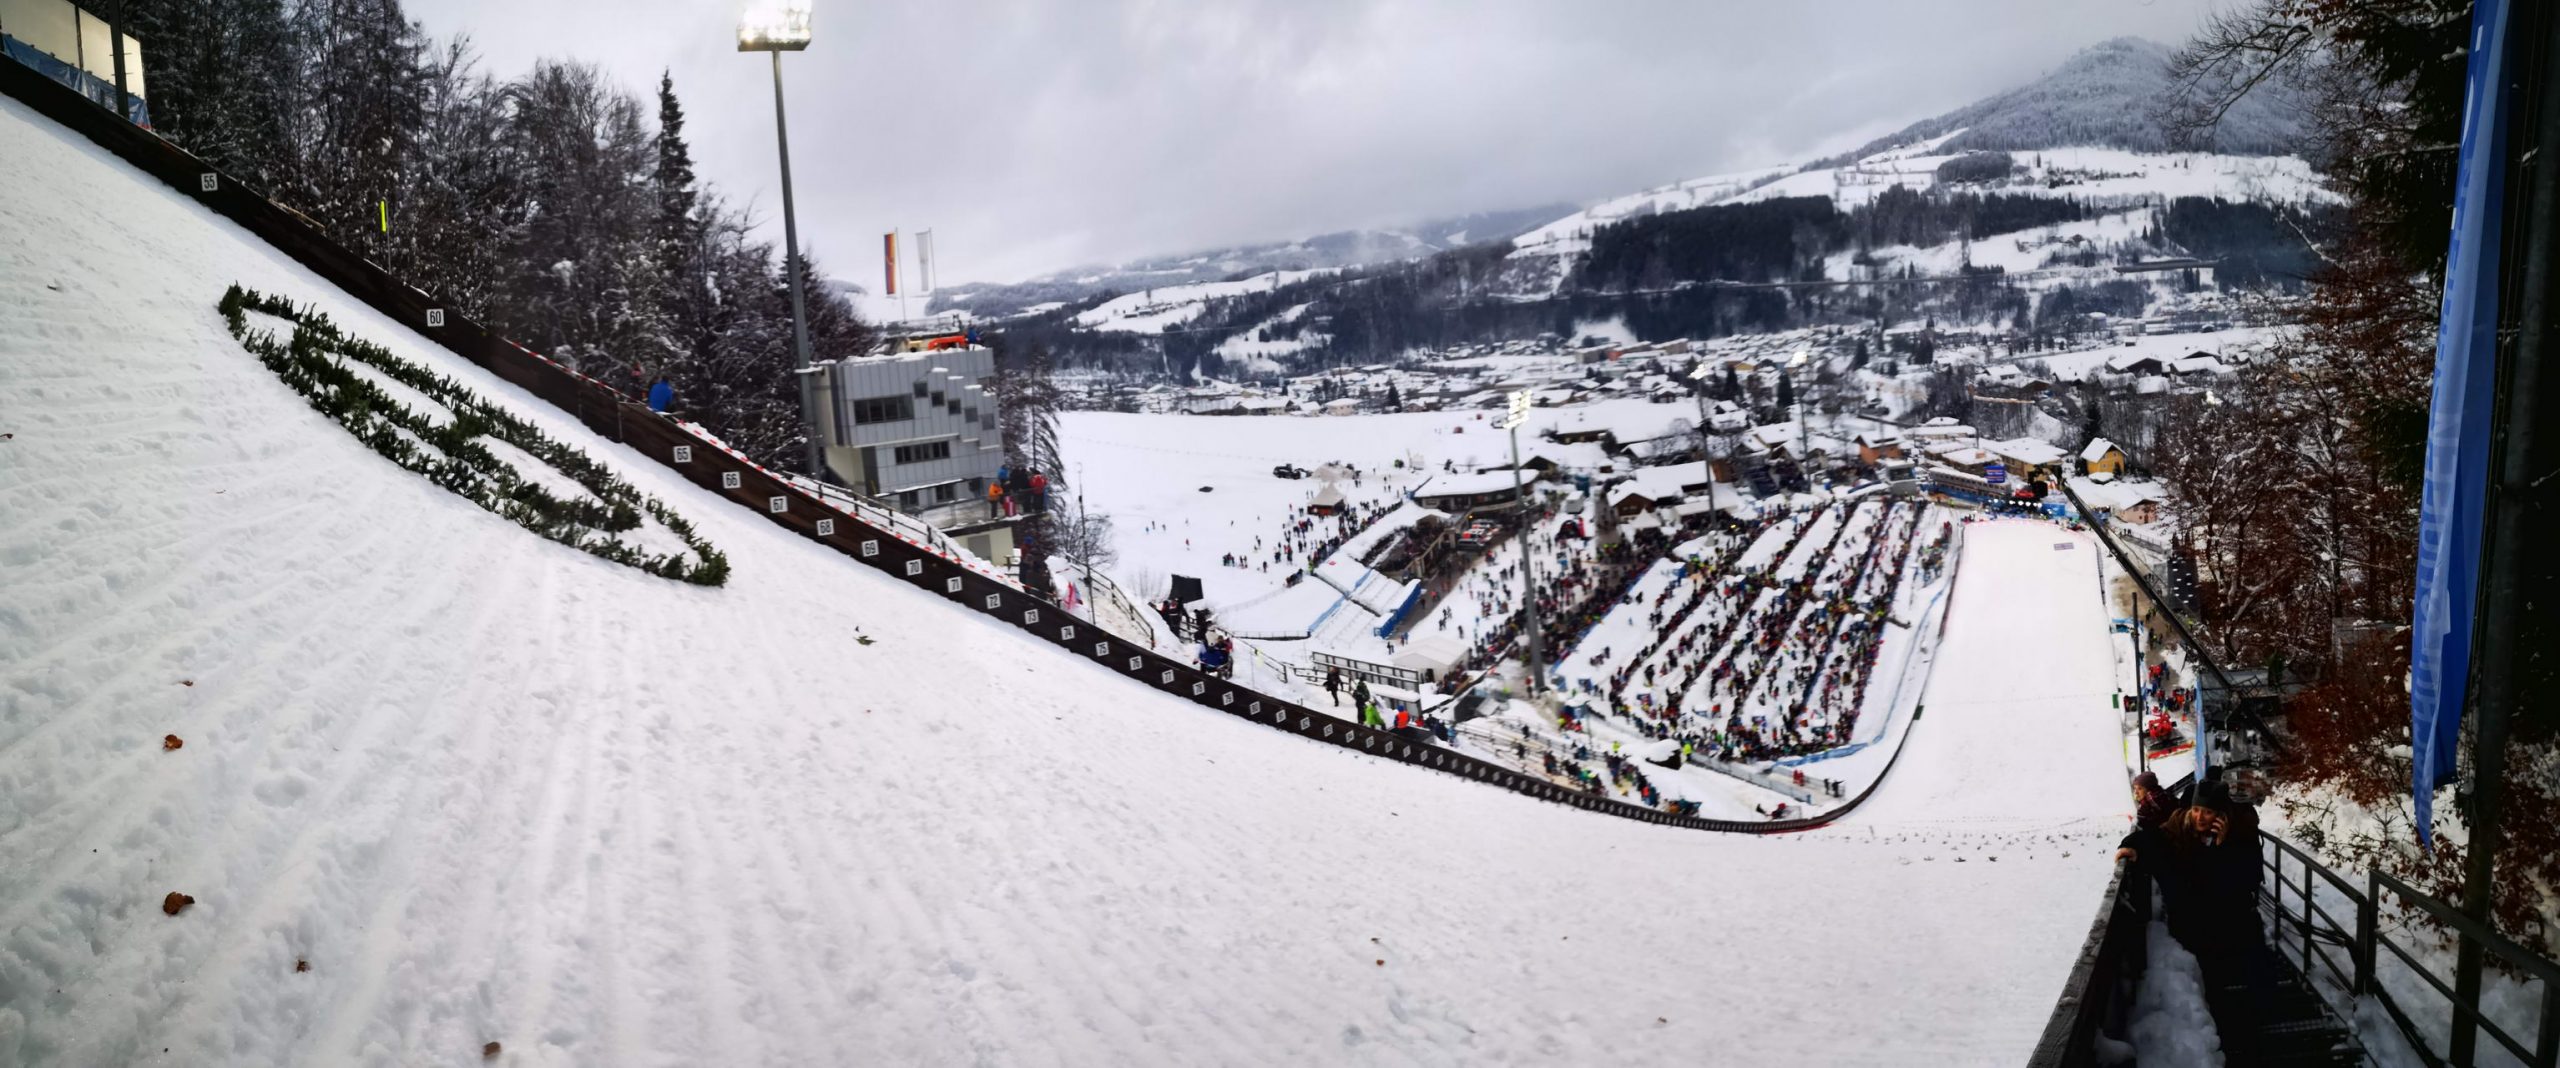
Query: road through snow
x=494 y=789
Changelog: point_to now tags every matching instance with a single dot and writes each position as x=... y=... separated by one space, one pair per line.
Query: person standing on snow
x=1333 y=685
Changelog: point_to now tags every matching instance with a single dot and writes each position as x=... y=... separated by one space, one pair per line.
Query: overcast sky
x=1034 y=136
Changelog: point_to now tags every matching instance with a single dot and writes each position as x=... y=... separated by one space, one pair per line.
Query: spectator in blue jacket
x=661 y=395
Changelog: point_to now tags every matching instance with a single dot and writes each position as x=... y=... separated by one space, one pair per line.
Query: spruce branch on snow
x=451 y=454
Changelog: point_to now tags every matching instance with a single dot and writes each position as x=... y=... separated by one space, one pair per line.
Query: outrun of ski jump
x=474 y=589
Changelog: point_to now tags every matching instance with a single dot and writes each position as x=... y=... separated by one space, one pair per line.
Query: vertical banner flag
x=2451 y=512
x=889 y=263
x=924 y=260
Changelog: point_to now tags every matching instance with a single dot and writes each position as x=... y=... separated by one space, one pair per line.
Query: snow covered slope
x=1150 y=311
x=493 y=789
x=2017 y=735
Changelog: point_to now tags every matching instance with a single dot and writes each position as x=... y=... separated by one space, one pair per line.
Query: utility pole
x=1520 y=400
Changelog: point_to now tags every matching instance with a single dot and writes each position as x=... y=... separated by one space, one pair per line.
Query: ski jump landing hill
x=488 y=788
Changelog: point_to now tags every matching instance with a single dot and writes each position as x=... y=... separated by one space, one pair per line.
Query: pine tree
x=682 y=238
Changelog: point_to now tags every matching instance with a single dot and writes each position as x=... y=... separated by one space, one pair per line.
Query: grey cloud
x=1033 y=136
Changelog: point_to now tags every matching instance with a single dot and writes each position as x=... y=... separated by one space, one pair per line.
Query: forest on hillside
x=1719 y=270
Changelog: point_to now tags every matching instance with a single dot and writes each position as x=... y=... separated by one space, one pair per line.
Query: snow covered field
x=493 y=789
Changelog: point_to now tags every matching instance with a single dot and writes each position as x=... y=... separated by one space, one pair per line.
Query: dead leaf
x=175 y=902
x=301 y=965
x=170 y=742
x=1382 y=964
x=186 y=682
x=488 y=1051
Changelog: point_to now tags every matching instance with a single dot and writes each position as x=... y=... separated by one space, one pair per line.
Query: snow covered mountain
x=2111 y=94
x=2026 y=203
x=2092 y=128
x=1346 y=248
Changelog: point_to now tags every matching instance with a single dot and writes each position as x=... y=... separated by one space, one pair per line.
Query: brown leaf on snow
x=186 y=682
x=175 y=902
x=301 y=965
x=170 y=742
x=488 y=1051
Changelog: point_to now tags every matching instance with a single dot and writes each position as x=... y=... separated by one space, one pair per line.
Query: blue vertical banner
x=2451 y=513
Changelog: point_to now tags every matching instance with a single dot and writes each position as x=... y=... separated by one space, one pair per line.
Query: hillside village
x=1870 y=417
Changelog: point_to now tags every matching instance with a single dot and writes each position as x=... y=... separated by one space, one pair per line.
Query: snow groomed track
x=2018 y=731
x=491 y=789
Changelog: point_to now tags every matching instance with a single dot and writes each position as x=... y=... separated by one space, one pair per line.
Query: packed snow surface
x=495 y=789
x=2025 y=669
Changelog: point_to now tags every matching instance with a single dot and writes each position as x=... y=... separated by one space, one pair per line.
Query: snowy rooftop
x=2115 y=494
x=2033 y=451
x=1470 y=485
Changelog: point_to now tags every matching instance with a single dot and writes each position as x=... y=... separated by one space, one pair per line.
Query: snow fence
x=727 y=473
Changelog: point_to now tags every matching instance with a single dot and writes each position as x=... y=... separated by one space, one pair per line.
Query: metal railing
x=2468 y=1019
x=2313 y=938
x=2310 y=926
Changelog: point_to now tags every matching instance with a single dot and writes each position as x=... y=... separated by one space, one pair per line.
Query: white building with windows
x=920 y=431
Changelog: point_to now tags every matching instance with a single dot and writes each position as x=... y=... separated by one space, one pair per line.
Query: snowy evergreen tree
x=683 y=240
x=358 y=86
x=546 y=206
x=461 y=179
x=216 y=83
x=586 y=281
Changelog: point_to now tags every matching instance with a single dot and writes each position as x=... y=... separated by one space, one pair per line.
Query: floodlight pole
x=1804 y=439
x=1528 y=564
x=799 y=308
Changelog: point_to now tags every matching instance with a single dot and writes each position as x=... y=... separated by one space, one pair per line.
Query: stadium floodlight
x=1521 y=401
x=774 y=26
